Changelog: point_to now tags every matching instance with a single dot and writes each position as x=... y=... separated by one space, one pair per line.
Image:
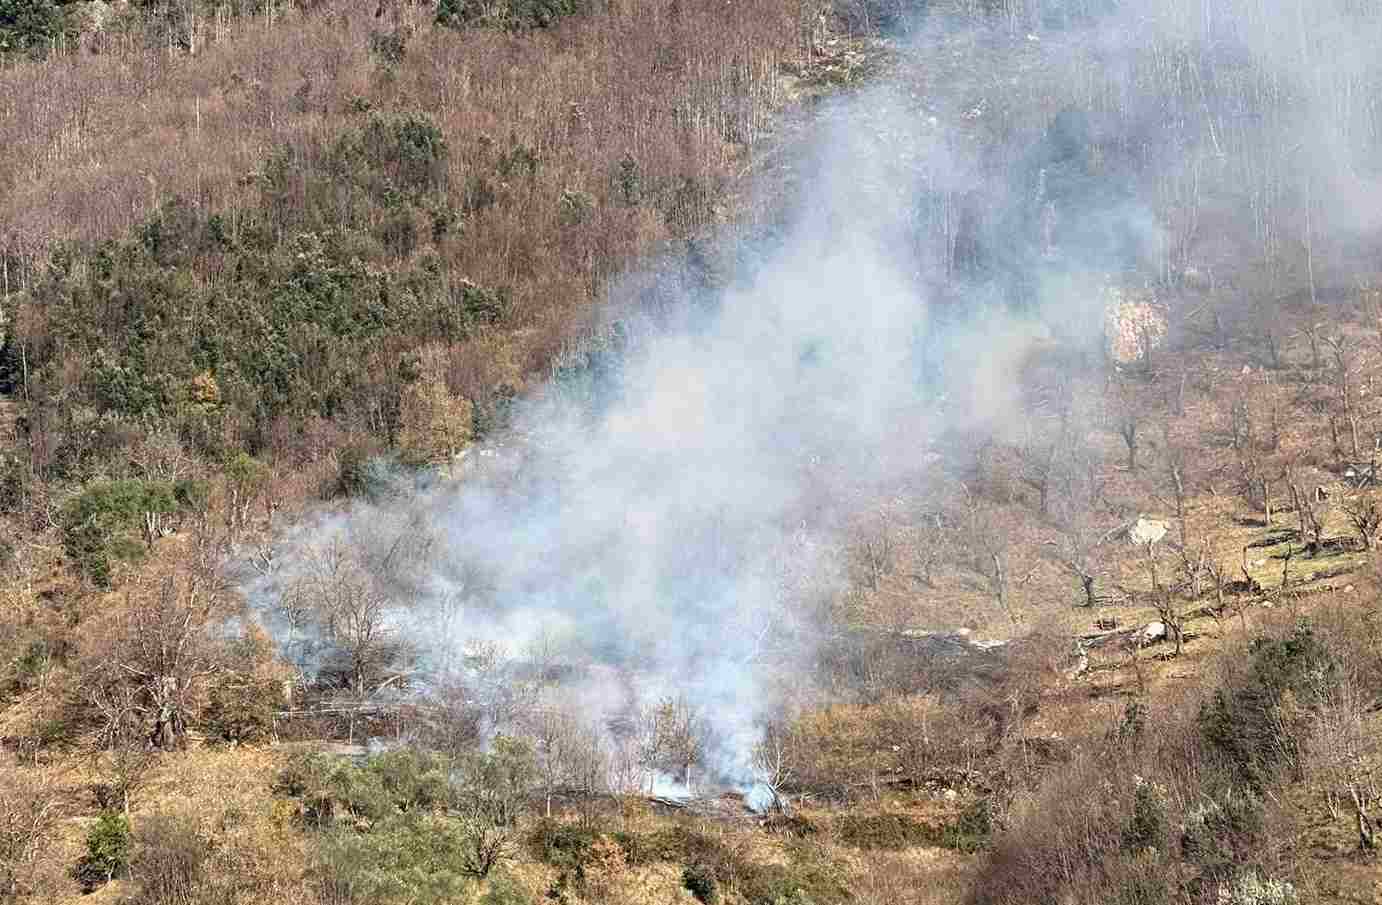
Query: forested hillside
x=778 y=452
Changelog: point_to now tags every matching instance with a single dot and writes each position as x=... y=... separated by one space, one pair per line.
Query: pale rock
x=1146 y=531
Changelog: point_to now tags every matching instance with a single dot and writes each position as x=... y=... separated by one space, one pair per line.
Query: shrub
x=99 y=523
x=107 y=850
x=1251 y=888
x=1218 y=827
x=170 y=857
x=1147 y=827
x=389 y=47
x=504 y=891
x=241 y=709
x=562 y=845
x=406 y=859
x=888 y=832
x=972 y=831
x=804 y=882
x=699 y=880
x=1246 y=725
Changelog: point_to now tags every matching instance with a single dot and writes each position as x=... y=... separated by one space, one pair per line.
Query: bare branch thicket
x=874 y=551
x=1345 y=749
x=30 y=810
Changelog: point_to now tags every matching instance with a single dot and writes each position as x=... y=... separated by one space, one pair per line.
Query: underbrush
x=1182 y=806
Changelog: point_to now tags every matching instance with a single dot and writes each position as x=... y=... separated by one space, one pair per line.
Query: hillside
x=764 y=453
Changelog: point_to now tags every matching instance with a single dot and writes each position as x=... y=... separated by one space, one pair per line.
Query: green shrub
x=883 y=831
x=1147 y=827
x=699 y=880
x=100 y=523
x=517 y=15
x=504 y=891
x=1218 y=827
x=414 y=780
x=801 y=883
x=390 y=47
x=676 y=844
x=107 y=850
x=404 y=859
x=575 y=207
x=1145 y=887
x=972 y=831
x=241 y=709
x=1245 y=725
x=562 y=845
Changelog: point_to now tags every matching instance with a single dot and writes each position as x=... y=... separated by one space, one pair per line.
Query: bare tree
x=155 y=671
x=1345 y=360
x=1077 y=553
x=356 y=616
x=556 y=739
x=1037 y=460
x=1366 y=517
x=874 y=551
x=931 y=548
x=1311 y=510
x=674 y=738
x=1127 y=423
x=1170 y=616
x=772 y=764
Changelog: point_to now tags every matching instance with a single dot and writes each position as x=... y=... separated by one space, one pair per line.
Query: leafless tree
x=1366 y=517
x=772 y=764
x=1076 y=550
x=1170 y=616
x=559 y=743
x=1127 y=423
x=1345 y=360
x=1310 y=511
x=454 y=722
x=155 y=671
x=503 y=696
x=355 y=615
x=874 y=551
x=931 y=548
x=674 y=738
x=1037 y=458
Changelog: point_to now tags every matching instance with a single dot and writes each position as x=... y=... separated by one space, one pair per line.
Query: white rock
x=1147 y=531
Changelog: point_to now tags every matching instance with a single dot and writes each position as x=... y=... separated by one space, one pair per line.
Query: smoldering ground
x=663 y=517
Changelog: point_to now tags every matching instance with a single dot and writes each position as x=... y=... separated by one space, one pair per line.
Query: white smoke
x=674 y=524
